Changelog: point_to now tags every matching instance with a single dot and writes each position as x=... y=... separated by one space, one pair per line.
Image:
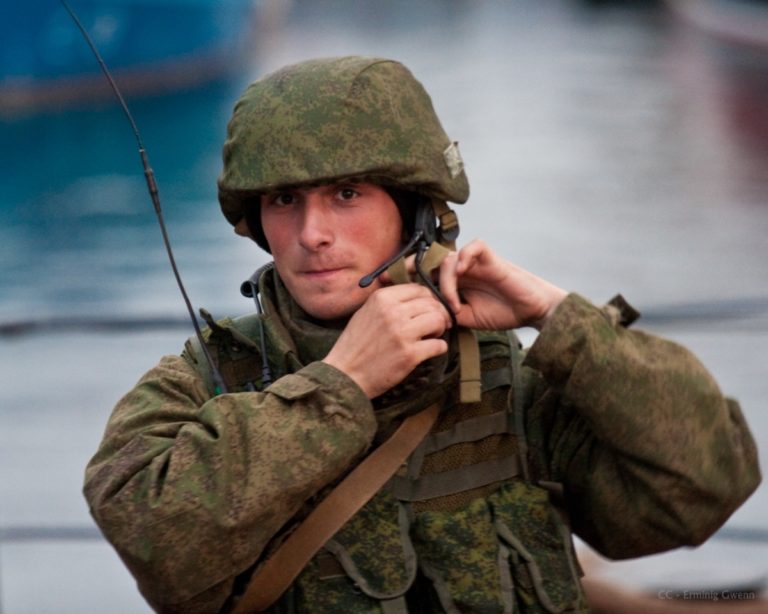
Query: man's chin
x=331 y=310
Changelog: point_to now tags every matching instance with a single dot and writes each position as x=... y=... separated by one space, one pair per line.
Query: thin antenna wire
x=154 y=194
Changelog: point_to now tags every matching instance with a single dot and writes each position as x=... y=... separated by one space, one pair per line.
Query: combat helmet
x=336 y=118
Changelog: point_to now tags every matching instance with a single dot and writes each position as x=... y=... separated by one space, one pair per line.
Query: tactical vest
x=467 y=525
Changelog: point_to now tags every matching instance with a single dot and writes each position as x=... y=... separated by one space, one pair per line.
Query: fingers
x=429 y=348
x=449 y=281
x=474 y=264
x=416 y=330
x=475 y=251
x=413 y=308
x=428 y=323
x=397 y=328
x=390 y=296
x=455 y=266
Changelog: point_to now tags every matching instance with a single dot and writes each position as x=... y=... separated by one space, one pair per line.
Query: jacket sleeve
x=189 y=489
x=652 y=456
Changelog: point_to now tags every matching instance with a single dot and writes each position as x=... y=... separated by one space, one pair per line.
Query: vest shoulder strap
x=234 y=346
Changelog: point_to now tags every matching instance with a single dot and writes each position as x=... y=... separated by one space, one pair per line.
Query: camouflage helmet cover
x=336 y=118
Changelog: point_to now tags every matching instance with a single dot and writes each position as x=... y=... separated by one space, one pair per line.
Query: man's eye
x=347 y=193
x=283 y=199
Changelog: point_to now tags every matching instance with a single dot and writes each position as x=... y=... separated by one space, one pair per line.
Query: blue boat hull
x=149 y=44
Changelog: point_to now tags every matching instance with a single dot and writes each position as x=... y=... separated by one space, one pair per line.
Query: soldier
x=372 y=324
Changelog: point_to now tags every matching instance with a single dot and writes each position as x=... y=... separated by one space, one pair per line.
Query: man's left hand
x=487 y=292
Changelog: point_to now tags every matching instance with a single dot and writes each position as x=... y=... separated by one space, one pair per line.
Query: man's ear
x=241 y=228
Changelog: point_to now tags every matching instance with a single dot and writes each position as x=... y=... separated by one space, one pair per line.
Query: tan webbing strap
x=449 y=223
x=281 y=569
x=471 y=387
x=398 y=272
x=433 y=257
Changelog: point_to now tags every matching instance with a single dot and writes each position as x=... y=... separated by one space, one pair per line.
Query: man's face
x=324 y=239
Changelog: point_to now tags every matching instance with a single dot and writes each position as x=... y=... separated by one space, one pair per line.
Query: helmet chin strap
x=428 y=251
x=426 y=236
x=398 y=257
x=431 y=244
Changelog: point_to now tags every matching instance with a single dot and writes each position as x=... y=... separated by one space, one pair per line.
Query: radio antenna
x=155 y=196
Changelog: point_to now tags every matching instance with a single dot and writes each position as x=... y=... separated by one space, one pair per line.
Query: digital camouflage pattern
x=659 y=408
x=542 y=560
x=191 y=489
x=337 y=118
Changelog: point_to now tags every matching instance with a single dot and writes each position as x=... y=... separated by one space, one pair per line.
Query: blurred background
x=611 y=147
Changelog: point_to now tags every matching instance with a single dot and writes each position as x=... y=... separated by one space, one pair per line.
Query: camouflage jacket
x=629 y=431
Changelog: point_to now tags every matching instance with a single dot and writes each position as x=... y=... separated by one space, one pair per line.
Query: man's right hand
x=397 y=328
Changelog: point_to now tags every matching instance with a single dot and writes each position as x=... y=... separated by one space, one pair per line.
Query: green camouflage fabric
x=642 y=412
x=543 y=565
x=193 y=489
x=337 y=118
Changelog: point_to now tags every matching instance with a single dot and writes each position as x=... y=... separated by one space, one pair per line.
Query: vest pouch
x=459 y=553
x=374 y=561
x=542 y=563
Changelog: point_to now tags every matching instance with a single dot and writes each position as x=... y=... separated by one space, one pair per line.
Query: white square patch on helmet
x=453 y=159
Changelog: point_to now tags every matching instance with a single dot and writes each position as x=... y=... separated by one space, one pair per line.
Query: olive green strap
x=518 y=401
x=279 y=571
x=533 y=567
x=434 y=485
x=471 y=429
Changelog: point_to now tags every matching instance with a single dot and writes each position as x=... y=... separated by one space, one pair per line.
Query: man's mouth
x=322 y=273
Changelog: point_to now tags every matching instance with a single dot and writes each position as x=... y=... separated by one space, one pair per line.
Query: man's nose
x=316 y=225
